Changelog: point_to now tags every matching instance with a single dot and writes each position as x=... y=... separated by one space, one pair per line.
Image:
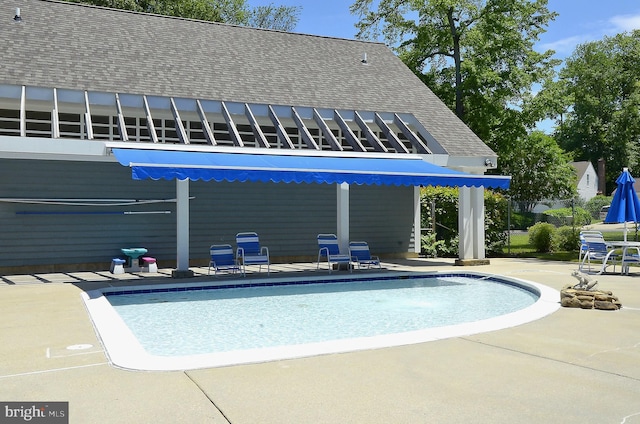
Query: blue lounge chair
x=222 y=259
x=583 y=245
x=598 y=250
x=328 y=249
x=250 y=252
x=360 y=255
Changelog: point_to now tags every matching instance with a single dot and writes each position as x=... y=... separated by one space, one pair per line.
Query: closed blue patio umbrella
x=625 y=206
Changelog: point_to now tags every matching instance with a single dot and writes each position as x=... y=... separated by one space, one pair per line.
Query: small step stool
x=149 y=264
x=117 y=266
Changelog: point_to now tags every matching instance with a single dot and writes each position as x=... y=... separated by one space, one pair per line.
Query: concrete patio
x=573 y=366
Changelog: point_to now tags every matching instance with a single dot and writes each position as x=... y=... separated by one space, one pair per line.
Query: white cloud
x=611 y=26
x=565 y=46
x=625 y=22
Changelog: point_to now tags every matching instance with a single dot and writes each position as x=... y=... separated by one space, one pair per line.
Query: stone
x=583 y=295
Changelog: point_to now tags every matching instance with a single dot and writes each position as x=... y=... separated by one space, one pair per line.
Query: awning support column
x=342 y=231
x=465 y=236
x=477 y=205
x=417 y=221
x=182 y=227
x=471 y=248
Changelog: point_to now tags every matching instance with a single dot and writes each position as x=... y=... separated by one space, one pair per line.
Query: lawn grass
x=520 y=247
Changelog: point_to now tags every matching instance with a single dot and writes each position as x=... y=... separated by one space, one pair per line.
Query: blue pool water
x=190 y=322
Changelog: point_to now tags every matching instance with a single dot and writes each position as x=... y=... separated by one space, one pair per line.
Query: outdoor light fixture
x=17 y=17
x=488 y=162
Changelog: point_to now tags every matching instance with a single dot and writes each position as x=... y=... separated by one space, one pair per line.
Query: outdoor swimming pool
x=195 y=326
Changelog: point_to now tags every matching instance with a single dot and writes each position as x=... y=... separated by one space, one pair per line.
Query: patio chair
x=583 y=245
x=360 y=255
x=629 y=258
x=250 y=252
x=222 y=259
x=598 y=250
x=328 y=248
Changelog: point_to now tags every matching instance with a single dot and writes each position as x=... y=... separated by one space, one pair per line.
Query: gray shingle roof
x=68 y=45
x=581 y=168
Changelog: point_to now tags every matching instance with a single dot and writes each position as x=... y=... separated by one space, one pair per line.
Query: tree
x=283 y=18
x=601 y=87
x=235 y=12
x=540 y=170
x=476 y=55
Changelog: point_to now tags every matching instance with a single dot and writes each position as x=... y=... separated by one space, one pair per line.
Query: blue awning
x=409 y=171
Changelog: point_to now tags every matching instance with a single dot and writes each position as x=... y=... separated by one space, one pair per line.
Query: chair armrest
x=264 y=251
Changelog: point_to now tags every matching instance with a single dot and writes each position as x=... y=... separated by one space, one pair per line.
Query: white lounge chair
x=598 y=250
x=250 y=252
x=222 y=259
x=583 y=245
x=329 y=250
x=360 y=255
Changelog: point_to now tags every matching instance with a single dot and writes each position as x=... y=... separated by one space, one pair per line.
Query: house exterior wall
x=588 y=184
x=287 y=217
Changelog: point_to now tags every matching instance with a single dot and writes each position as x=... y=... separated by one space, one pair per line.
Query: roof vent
x=364 y=59
x=17 y=17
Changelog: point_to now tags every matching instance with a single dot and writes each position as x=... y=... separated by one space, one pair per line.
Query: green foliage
x=601 y=92
x=541 y=236
x=595 y=204
x=495 y=221
x=430 y=246
x=477 y=56
x=567 y=238
x=522 y=220
x=238 y=12
x=539 y=169
x=563 y=216
x=283 y=18
x=445 y=207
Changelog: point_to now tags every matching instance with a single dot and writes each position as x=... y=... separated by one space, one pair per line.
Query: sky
x=579 y=21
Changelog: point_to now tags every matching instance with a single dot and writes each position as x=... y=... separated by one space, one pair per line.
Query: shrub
x=594 y=205
x=560 y=217
x=567 y=238
x=429 y=246
x=541 y=236
x=522 y=220
x=445 y=200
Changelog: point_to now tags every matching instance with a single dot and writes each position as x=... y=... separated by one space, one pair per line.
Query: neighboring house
x=587 y=186
x=121 y=129
x=587 y=180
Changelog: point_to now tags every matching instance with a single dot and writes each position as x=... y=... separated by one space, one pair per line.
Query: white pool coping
x=125 y=351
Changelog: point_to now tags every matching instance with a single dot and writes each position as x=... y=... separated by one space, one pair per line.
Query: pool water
x=200 y=322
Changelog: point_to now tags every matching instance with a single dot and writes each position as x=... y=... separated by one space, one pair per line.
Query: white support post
x=477 y=206
x=342 y=231
x=471 y=226
x=465 y=224
x=417 y=222
x=182 y=228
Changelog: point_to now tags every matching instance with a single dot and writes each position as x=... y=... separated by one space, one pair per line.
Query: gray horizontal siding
x=287 y=217
x=383 y=217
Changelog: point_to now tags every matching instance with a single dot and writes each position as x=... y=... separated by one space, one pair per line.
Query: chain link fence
x=439 y=235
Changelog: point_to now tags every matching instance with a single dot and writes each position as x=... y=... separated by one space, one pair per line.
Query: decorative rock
x=583 y=295
x=588 y=299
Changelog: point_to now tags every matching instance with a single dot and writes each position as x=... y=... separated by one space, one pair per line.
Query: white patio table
x=626 y=258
